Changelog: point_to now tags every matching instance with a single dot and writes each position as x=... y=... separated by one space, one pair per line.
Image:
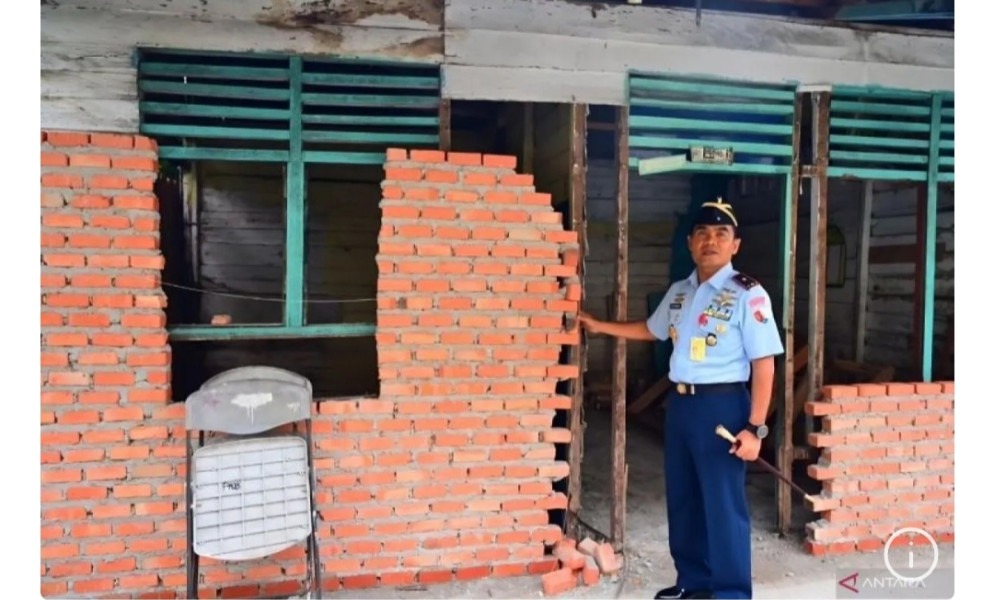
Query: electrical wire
x=263 y=298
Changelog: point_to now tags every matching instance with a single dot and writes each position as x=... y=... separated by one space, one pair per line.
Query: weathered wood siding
x=891 y=302
x=523 y=50
x=565 y=51
x=88 y=79
x=760 y=255
x=653 y=204
x=552 y=155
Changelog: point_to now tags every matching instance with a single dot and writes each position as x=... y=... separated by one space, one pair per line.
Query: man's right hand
x=588 y=322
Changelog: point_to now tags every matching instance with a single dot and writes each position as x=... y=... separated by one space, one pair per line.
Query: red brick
x=461 y=196
x=54 y=159
x=421 y=193
x=606 y=560
x=60 y=138
x=536 y=199
x=107 y=140
x=837 y=392
x=135 y=202
x=500 y=161
x=928 y=389
x=135 y=163
x=61 y=220
x=61 y=180
x=480 y=179
x=517 y=180
x=465 y=158
x=99 y=161
x=569 y=556
x=558 y=582
x=102 y=181
x=866 y=390
x=402 y=174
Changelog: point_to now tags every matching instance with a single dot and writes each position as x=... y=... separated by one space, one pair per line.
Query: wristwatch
x=760 y=431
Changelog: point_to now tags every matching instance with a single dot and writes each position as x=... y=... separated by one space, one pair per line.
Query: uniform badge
x=702 y=320
x=718 y=313
x=721 y=328
x=726 y=298
x=673 y=333
x=760 y=316
x=712 y=339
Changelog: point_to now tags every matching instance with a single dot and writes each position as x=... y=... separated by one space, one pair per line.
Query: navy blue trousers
x=705 y=494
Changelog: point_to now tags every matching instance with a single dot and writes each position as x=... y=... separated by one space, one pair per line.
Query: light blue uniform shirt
x=732 y=316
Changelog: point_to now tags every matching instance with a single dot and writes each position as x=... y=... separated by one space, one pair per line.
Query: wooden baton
x=721 y=431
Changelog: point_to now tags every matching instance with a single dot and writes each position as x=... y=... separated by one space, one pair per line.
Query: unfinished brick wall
x=886 y=463
x=448 y=475
x=112 y=488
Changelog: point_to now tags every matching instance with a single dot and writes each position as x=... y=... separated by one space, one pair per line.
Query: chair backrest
x=248 y=401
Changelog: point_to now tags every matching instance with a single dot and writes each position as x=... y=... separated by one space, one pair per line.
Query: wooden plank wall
x=758 y=201
x=552 y=159
x=569 y=51
x=88 y=78
x=890 y=302
x=757 y=205
x=653 y=205
x=523 y=50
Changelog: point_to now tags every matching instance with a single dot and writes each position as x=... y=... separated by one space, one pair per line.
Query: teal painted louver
x=879 y=133
x=946 y=139
x=287 y=109
x=671 y=114
x=266 y=107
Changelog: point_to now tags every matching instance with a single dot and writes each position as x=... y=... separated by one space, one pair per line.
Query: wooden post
x=917 y=346
x=819 y=248
x=788 y=248
x=577 y=355
x=863 y=269
x=619 y=401
x=931 y=223
x=528 y=142
x=445 y=124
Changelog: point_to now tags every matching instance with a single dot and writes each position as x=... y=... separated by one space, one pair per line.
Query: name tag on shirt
x=697 y=348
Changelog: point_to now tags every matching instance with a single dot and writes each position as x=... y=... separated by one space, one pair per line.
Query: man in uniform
x=723 y=332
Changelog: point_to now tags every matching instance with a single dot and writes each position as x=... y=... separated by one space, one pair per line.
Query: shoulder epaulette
x=745 y=281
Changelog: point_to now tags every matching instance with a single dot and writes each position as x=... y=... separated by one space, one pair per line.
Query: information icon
x=907 y=562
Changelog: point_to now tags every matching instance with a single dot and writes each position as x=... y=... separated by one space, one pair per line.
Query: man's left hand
x=747 y=447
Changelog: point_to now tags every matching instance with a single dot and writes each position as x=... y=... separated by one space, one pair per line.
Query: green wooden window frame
x=879 y=133
x=674 y=113
x=288 y=109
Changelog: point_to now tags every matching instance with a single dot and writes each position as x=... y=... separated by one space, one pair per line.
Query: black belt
x=703 y=389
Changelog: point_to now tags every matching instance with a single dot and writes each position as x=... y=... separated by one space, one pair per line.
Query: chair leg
x=192 y=560
x=315 y=553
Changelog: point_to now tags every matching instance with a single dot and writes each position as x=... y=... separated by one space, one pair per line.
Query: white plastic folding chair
x=250 y=492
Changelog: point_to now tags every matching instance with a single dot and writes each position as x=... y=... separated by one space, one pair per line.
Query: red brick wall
x=112 y=485
x=447 y=475
x=886 y=463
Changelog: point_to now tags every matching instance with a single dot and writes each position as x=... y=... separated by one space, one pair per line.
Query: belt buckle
x=685 y=388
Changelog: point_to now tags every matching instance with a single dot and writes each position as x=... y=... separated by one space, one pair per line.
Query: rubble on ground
x=579 y=564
